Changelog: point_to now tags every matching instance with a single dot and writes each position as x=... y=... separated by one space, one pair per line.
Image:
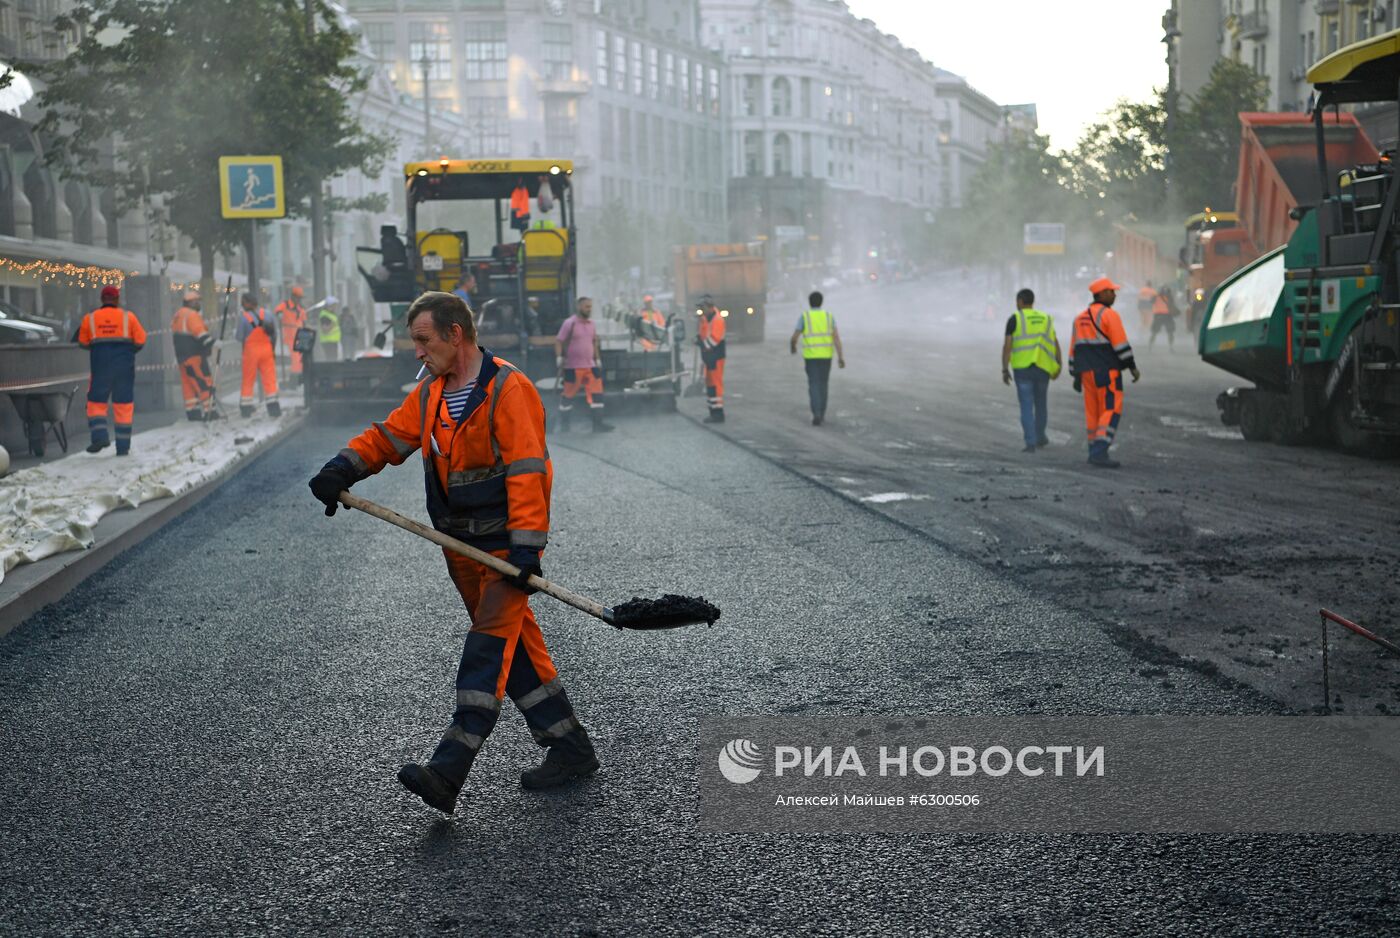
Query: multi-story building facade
x=48 y=223
x=1280 y=39
x=842 y=141
x=621 y=87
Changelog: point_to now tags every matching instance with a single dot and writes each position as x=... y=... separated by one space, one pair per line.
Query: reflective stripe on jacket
x=817 y=329
x=1033 y=342
x=488 y=475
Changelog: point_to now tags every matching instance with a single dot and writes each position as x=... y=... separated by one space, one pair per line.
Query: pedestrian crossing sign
x=251 y=187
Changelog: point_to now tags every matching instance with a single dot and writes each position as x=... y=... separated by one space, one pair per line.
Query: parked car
x=17 y=330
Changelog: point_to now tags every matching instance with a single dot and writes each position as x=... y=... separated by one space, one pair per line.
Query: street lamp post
x=427 y=65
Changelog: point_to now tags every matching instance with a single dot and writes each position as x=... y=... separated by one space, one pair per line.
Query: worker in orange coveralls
x=478 y=423
x=192 y=344
x=1098 y=355
x=258 y=333
x=112 y=336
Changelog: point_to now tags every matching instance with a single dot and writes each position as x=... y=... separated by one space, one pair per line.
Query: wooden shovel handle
x=582 y=603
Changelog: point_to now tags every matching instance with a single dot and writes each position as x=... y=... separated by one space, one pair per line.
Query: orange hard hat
x=1102 y=284
x=647 y=298
x=191 y=296
x=297 y=291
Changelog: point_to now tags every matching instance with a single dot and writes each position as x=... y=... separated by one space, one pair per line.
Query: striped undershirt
x=457 y=400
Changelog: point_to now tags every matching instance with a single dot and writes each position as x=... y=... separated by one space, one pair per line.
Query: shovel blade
x=668 y=612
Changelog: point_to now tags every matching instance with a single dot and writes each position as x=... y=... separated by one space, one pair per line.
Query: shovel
x=643 y=615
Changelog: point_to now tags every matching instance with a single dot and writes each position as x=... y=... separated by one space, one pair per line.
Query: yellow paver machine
x=502 y=231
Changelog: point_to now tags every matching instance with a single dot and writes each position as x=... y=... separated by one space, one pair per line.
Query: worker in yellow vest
x=1031 y=355
x=816 y=332
x=328 y=340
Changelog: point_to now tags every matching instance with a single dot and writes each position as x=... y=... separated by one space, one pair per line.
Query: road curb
x=44 y=583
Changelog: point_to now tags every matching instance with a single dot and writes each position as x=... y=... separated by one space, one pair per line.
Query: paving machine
x=1313 y=324
x=509 y=225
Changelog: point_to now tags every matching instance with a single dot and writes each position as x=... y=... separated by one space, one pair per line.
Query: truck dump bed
x=1278 y=169
x=734 y=275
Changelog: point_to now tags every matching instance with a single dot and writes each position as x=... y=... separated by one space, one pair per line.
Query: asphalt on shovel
x=643 y=615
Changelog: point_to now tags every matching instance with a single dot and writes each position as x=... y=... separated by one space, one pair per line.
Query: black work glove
x=335 y=477
x=1078 y=385
x=528 y=560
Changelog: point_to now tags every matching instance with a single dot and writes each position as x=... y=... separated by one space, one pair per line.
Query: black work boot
x=436 y=791
x=569 y=757
x=600 y=425
x=194 y=414
x=566 y=417
x=274 y=409
x=716 y=415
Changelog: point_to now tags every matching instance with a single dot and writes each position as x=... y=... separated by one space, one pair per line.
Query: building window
x=601 y=59
x=558 y=51
x=643 y=151
x=658 y=144
x=750 y=96
x=624 y=135
x=637 y=83
x=714 y=91
x=806 y=97
x=782 y=155
x=431 y=41
x=619 y=63
x=486 y=51
x=561 y=125
x=683 y=67
x=653 y=73
x=782 y=97
x=668 y=72
x=380 y=37
x=699 y=88
x=806 y=154
x=753 y=153
x=605 y=127
x=488 y=126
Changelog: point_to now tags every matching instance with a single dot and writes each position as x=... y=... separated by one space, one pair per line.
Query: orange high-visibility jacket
x=712 y=332
x=188 y=331
x=488 y=476
x=292 y=316
x=1099 y=343
x=111 y=325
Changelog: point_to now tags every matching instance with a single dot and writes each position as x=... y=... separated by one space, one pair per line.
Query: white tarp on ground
x=53 y=507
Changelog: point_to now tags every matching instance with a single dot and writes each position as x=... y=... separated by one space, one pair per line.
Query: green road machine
x=1315 y=324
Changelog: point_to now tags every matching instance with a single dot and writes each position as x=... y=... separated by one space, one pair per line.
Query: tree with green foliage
x=1022 y=181
x=1119 y=165
x=158 y=90
x=1205 y=144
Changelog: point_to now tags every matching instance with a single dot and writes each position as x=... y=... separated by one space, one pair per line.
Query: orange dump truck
x=1277 y=174
x=735 y=276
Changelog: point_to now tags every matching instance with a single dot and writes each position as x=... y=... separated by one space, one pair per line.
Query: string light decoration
x=85 y=276
x=71 y=275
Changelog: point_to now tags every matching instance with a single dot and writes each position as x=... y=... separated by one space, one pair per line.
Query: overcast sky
x=1072 y=59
